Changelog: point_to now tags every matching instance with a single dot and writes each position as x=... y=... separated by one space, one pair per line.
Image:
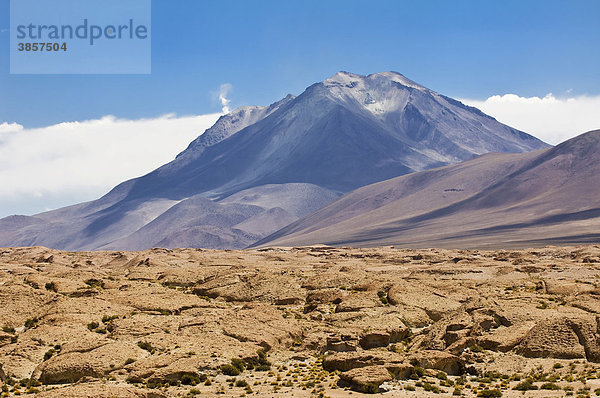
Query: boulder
x=325 y=296
x=505 y=338
x=341 y=343
x=344 y=361
x=252 y=287
x=439 y=360
x=5 y=338
x=262 y=325
x=401 y=371
x=177 y=370
x=358 y=301
x=101 y=390
x=589 y=337
x=375 y=338
x=434 y=304
x=70 y=367
x=146 y=368
x=552 y=338
x=366 y=379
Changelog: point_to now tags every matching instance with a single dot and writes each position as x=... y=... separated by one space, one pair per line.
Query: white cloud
x=63 y=164
x=224 y=89
x=7 y=128
x=550 y=118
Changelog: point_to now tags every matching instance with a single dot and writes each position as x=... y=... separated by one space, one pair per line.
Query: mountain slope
x=226 y=126
x=241 y=219
x=496 y=200
x=338 y=135
x=374 y=127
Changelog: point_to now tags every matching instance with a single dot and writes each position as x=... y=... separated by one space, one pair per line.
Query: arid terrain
x=312 y=321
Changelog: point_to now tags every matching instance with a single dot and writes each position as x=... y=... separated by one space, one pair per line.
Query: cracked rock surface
x=304 y=321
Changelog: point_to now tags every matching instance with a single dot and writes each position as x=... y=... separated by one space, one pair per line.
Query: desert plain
x=305 y=321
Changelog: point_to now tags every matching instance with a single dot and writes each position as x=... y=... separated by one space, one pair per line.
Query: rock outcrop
x=284 y=321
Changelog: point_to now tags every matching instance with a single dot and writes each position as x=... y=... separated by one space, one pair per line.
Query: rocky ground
x=315 y=321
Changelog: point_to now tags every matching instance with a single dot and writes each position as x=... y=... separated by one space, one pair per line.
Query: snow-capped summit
x=342 y=78
x=398 y=78
x=379 y=93
x=299 y=153
x=352 y=80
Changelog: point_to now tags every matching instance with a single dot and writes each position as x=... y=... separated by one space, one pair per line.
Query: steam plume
x=224 y=89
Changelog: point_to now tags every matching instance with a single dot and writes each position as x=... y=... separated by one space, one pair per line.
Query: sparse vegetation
x=93 y=325
x=550 y=386
x=108 y=319
x=417 y=372
x=31 y=323
x=383 y=297
x=32 y=284
x=190 y=379
x=49 y=354
x=487 y=393
x=239 y=364
x=8 y=329
x=261 y=364
x=51 y=286
x=96 y=283
x=230 y=370
x=241 y=383
x=144 y=345
x=525 y=385
x=370 y=388
x=543 y=305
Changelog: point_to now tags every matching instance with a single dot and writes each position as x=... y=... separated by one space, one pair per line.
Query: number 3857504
x=42 y=46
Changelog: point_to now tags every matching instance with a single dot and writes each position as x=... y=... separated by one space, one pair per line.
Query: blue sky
x=265 y=49
x=64 y=139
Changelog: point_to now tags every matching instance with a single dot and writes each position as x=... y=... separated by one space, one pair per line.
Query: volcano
x=259 y=169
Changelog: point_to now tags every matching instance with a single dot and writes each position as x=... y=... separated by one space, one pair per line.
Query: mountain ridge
x=338 y=135
x=553 y=189
x=325 y=95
